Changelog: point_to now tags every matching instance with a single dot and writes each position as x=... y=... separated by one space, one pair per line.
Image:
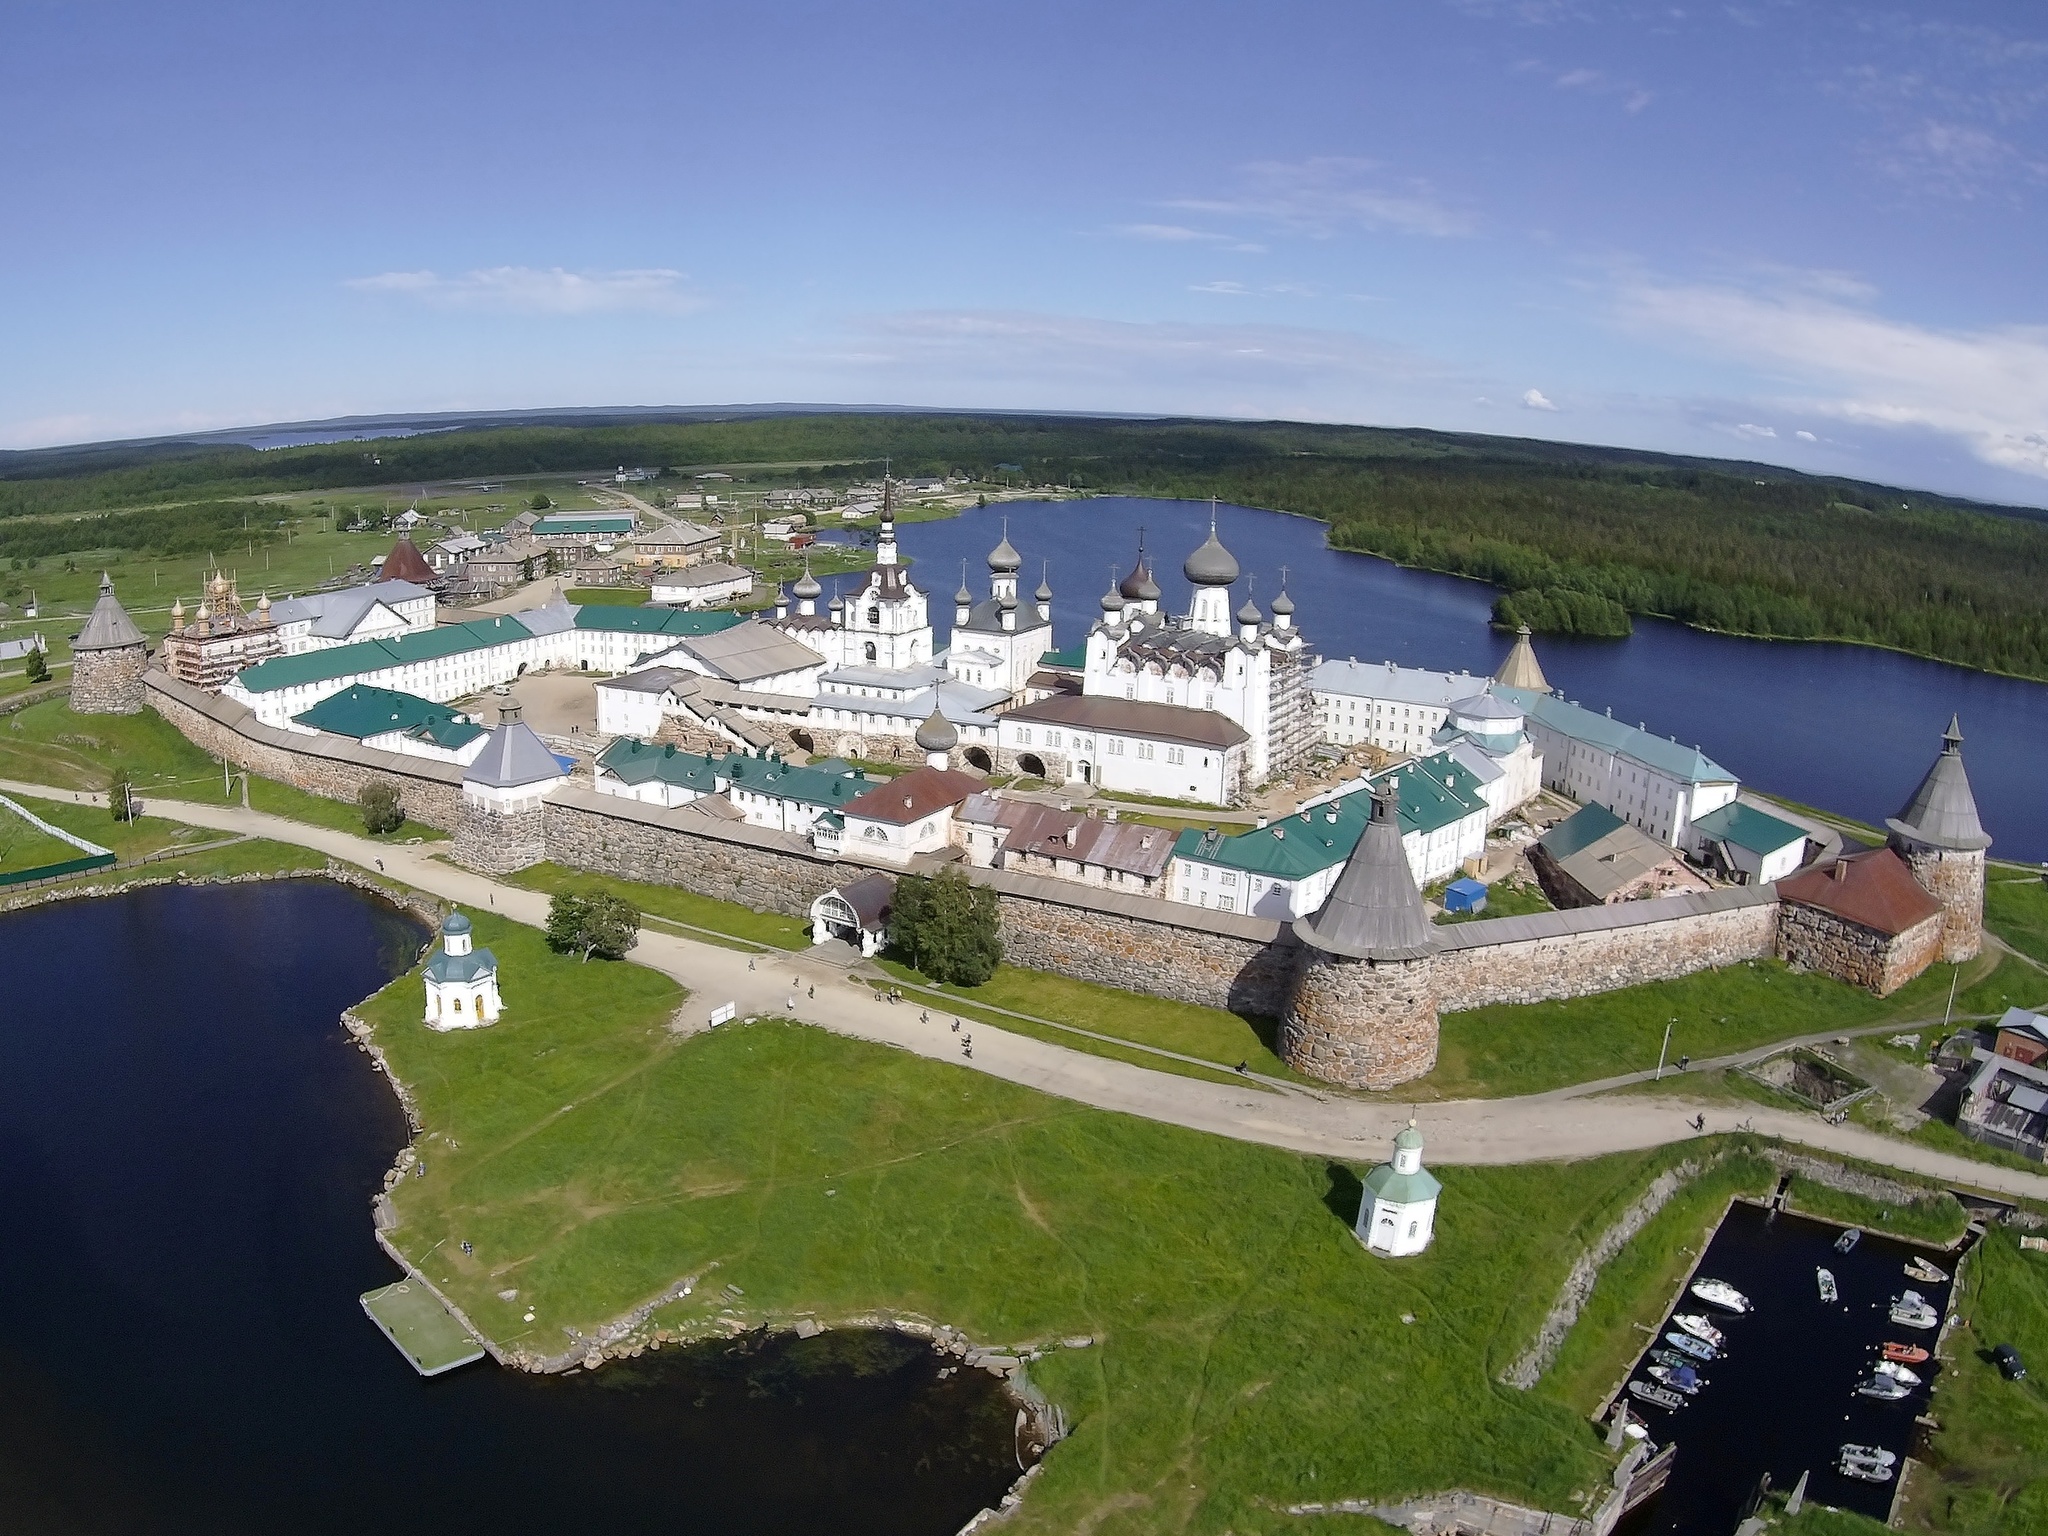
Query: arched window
x=869 y=648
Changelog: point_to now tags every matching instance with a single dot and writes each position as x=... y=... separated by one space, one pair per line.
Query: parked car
x=2009 y=1363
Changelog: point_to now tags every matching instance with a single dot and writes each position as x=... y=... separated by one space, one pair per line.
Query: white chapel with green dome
x=462 y=980
x=1397 y=1215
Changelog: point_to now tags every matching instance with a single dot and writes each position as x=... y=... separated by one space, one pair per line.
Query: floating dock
x=414 y=1320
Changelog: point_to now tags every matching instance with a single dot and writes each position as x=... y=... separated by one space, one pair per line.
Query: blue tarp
x=1465 y=895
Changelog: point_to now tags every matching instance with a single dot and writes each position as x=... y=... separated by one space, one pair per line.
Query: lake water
x=188 y=1148
x=1783 y=1398
x=1844 y=727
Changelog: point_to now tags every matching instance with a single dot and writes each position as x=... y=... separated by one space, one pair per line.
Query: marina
x=1804 y=1383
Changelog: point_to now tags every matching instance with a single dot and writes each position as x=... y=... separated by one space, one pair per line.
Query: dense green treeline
x=1577 y=537
x=186 y=529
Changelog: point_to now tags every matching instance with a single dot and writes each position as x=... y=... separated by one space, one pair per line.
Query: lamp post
x=1666 y=1046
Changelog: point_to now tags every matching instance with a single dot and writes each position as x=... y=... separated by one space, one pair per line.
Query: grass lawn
x=768 y=929
x=1249 y=1353
x=1529 y=1048
x=129 y=839
x=617 y=597
x=2016 y=909
x=1504 y=898
x=1938 y=1217
x=25 y=846
x=1209 y=1033
x=336 y=815
x=253 y=856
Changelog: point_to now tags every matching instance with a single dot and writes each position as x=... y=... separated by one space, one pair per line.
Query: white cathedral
x=1198 y=706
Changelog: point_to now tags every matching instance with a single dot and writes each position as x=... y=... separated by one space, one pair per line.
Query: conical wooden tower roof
x=1520 y=669
x=109 y=628
x=406 y=563
x=1943 y=811
x=1375 y=912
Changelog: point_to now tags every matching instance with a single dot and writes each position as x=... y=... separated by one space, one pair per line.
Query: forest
x=1578 y=537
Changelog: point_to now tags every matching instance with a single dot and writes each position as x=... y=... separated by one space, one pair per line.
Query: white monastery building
x=1397 y=1212
x=462 y=981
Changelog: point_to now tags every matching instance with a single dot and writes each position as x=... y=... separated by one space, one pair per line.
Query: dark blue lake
x=188 y=1148
x=1844 y=727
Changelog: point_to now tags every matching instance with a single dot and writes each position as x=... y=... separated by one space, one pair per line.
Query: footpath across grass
x=1248 y=1353
x=1535 y=1047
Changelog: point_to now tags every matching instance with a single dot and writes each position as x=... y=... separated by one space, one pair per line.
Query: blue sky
x=1805 y=233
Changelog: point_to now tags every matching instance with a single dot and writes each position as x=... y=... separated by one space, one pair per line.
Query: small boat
x=1905 y=1354
x=1888 y=1389
x=1848 y=1240
x=1866 y=1463
x=1661 y=1397
x=1910 y=1310
x=1826 y=1279
x=1924 y=1272
x=1696 y=1324
x=1679 y=1378
x=1719 y=1293
x=1686 y=1344
x=1670 y=1357
x=1898 y=1372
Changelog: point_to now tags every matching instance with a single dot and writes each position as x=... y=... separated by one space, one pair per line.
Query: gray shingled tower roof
x=109 y=627
x=1375 y=912
x=513 y=756
x=1519 y=669
x=1943 y=812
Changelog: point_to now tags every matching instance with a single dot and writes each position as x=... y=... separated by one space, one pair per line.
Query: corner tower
x=1939 y=836
x=108 y=657
x=1363 y=1012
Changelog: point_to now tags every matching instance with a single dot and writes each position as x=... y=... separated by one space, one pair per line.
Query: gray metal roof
x=1401 y=685
x=1943 y=812
x=514 y=756
x=1520 y=669
x=109 y=626
x=1374 y=912
x=747 y=652
x=335 y=615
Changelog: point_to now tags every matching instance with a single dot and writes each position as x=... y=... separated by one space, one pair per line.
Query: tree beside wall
x=949 y=927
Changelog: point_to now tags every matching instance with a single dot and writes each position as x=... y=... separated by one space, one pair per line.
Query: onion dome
x=1004 y=559
x=1212 y=565
x=1113 y=601
x=1249 y=613
x=1283 y=604
x=263 y=603
x=937 y=734
x=205 y=614
x=807 y=586
x=1044 y=592
x=455 y=922
x=177 y=612
x=963 y=598
x=1007 y=601
x=838 y=603
x=1135 y=586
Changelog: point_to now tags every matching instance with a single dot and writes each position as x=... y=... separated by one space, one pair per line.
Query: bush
x=380 y=806
x=948 y=926
x=599 y=924
x=38 y=667
x=121 y=795
x=539 y=502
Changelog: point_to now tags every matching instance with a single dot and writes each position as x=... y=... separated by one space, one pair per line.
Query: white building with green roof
x=461 y=980
x=388 y=721
x=1397 y=1211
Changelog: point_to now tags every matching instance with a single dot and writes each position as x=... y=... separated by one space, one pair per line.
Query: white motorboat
x=1679 y=1378
x=1866 y=1463
x=1924 y=1272
x=1848 y=1239
x=1696 y=1324
x=1888 y=1389
x=1649 y=1392
x=1826 y=1280
x=1719 y=1293
x=1910 y=1310
x=1686 y=1344
x=1898 y=1372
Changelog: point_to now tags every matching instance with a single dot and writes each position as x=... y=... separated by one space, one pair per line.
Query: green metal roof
x=1579 y=831
x=583 y=525
x=618 y=618
x=443 y=966
x=635 y=762
x=1687 y=764
x=1401 y=1188
x=377 y=655
x=1435 y=792
x=1073 y=658
x=808 y=785
x=360 y=710
x=1747 y=827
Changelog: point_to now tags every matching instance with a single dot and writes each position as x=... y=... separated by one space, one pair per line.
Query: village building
x=896 y=821
x=2005 y=1104
x=504 y=566
x=108 y=657
x=2022 y=1036
x=1593 y=858
x=320 y=620
x=700 y=586
x=388 y=721
x=573 y=533
x=461 y=980
x=675 y=546
x=1397 y=1207
x=1749 y=846
x=1287 y=868
x=448 y=556
x=220 y=640
x=1031 y=839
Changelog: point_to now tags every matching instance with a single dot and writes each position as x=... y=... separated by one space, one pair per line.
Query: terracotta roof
x=1132 y=717
x=1873 y=888
x=1050 y=833
x=406 y=563
x=918 y=793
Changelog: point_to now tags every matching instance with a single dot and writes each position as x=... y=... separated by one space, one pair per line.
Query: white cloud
x=1805 y=436
x=1319 y=196
x=542 y=291
x=1751 y=429
x=1181 y=234
x=1988 y=388
x=1536 y=400
x=1577 y=79
x=1221 y=285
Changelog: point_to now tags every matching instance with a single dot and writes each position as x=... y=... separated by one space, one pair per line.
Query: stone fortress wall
x=1138 y=944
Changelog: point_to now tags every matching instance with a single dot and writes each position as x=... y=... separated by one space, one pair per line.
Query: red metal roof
x=1873 y=888
x=916 y=794
x=406 y=563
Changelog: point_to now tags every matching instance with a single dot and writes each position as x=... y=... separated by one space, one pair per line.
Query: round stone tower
x=1363 y=1012
x=1939 y=836
x=108 y=658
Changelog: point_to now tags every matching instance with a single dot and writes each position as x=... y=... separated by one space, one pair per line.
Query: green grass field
x=2016 y=909
x=1504 y=898
x=1249 y=1353
x=1534 y=1047
x=768 y=929
x=25 y=846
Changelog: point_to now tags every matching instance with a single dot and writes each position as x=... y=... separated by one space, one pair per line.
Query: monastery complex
x=757 y=758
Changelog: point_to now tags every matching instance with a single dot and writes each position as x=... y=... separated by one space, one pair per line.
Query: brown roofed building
x=896 y=821
x=1033 y=839
x=406 y=563
x=1863 y=919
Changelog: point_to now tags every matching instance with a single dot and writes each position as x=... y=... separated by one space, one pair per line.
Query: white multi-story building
x=321 y=620
x=1381 y=704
